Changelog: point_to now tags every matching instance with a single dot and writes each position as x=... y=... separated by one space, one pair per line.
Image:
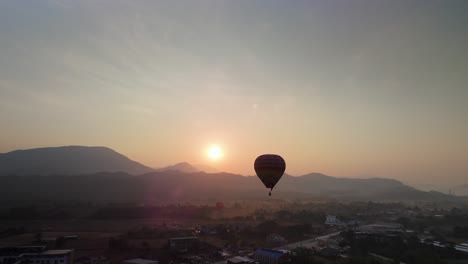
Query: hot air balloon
x=270 y=169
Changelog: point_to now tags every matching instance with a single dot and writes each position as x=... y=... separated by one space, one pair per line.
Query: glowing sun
x=215 y=152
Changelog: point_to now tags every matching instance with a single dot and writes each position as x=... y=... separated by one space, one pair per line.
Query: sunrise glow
x=215 y=152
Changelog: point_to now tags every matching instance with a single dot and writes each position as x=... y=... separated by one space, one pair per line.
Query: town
x=239 y=232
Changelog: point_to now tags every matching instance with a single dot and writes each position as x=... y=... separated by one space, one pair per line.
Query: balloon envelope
x=270 y=169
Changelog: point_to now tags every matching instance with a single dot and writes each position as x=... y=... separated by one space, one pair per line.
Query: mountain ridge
x=68 y=160
x=176 y=186
x=103 y=174
x=188 y=167
x=461 y=189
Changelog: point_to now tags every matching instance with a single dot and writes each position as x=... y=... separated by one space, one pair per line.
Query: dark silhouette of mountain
x=176 y=186
x=181 y=166
x=189 y=168
x=430 y=187
x=100 y=174
x=206 y=168
x=69 y=160
x=323 y=185
x=460 y=190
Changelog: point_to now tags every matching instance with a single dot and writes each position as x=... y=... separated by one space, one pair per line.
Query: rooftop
x=10 y=251
x=269 y=252
x=239 y=259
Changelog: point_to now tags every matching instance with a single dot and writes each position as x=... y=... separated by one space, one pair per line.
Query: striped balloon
x=270 y=169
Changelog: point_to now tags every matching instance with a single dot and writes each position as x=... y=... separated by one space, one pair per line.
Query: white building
x=333 y=221
x=462 y=247
x=239 y=260
x=35 y=255
x=59 y=256
x=276 y=239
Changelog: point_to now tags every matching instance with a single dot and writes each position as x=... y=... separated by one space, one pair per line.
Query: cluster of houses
x=263 y=256
x=325 y=246
x=333 y=220
x=35 y=255
x=462 y=247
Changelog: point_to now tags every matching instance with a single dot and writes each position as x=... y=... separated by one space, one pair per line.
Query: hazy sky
x=347 y=88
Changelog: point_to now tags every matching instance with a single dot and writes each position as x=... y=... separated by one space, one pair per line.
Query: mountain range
x=73 y=160
x=100 y=174
x=461 y=190
x=69 y=160
x=189 y=168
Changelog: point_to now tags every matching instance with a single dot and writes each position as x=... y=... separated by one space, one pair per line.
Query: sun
x=215 y=152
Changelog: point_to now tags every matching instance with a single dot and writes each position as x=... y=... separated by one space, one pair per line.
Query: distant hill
x=189 y=168
x=431 y=187
x=69 y=160
x=176 y=186
x=460 y=190
x=325 y=185
x=206 y=168
x=99 y=174
x=181 y=166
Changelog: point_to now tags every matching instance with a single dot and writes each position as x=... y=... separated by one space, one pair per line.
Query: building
x=332 y=220
x=90 y=260
x=12 y=254
x=463 y=247
x=59 y=256
x=239 y=260
x=140 y=261
x=35 y=255
x=271 y=256
x=183 y=244
x=276 y=239
x=380 y=228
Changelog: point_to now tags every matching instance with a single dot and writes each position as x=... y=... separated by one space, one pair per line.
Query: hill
x=461 y=190
x=189 y=168
x=176 y=186
x=181 y=166
x=99 y=174
x=69 y=160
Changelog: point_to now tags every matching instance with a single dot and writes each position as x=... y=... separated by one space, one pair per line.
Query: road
x=309 y=243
